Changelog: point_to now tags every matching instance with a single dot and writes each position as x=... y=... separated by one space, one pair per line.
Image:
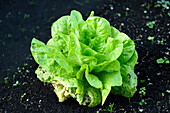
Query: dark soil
x=21 y=20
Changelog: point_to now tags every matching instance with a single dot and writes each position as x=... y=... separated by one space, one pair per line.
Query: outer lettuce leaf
x=61 y=27
x=108 y=66
x=132 y=61
x=60 y=43
x=36 y=44
x=128 y=87
x=128 y=48
x=62 y=61
x=76 y=20
x=112 y=66
x=74 y=54
x=44 y=56
x=114 y=32
x=100 y=29
x=93 y=79
x=113 y=48
x=94 y=95
x=109 y=79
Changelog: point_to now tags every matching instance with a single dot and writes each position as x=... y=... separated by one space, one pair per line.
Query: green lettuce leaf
x=128 y=48
x=100 y=29
x=109 y=79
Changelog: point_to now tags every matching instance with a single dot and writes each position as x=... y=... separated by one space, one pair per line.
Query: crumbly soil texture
x=21 y=20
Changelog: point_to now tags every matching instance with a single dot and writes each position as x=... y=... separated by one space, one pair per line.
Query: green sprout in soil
x=147 y=17
x=160 y=42
x=27 y=71
x=109 y=108
x=118 y=14
x=22 y=96
x=163 y=94
x=126 y=14
x=16 y=83
x=168 y=13
x=32 y=2
x=23 y=29
x=6 y=80
x=168 y=91
x=25 y=64
x=151 y=38
x=149 y=84
x=142 y=81
x=142 y=102
x=162 y=60
x=19 y=70
x=13 y=77
x=26 y=16
x=145 y=11
x=163 y=3
x=9 y=35
x=150 y=24
x=142 y=91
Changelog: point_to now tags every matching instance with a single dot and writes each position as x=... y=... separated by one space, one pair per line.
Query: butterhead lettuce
x=86 y=60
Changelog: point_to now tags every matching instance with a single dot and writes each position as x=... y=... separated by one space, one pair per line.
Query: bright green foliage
x=142 y=91
x=86 y=60
x=150 y=24
x=142 y=102
x=163 y=3
x=163 y=60
x=151 y=38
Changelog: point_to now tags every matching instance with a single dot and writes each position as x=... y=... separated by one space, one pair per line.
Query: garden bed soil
x=21 y=20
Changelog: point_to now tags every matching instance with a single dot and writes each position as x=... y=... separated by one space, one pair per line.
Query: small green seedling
x=149 y=84
x=26 y=16
x=22 y=96
x=168 y=13
x=151 y=38
x=150 y=24
x=168 y=91
x=13 y=77
x=163 y=94
x=126 y=14
x=6 y=80
x=109 y=108
x=23 y=29
x=118 y=14
x=148 y=6
x=142 y=102
x=142 y=91
x=27 y=71
x=160 y=42
x=147 y=17
x=32 y=2
x=145 y=11
x=16 y=84
x=162 y=60
x=25 y=64
x=9 y=35
x=163 y=3
x=142 y=81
